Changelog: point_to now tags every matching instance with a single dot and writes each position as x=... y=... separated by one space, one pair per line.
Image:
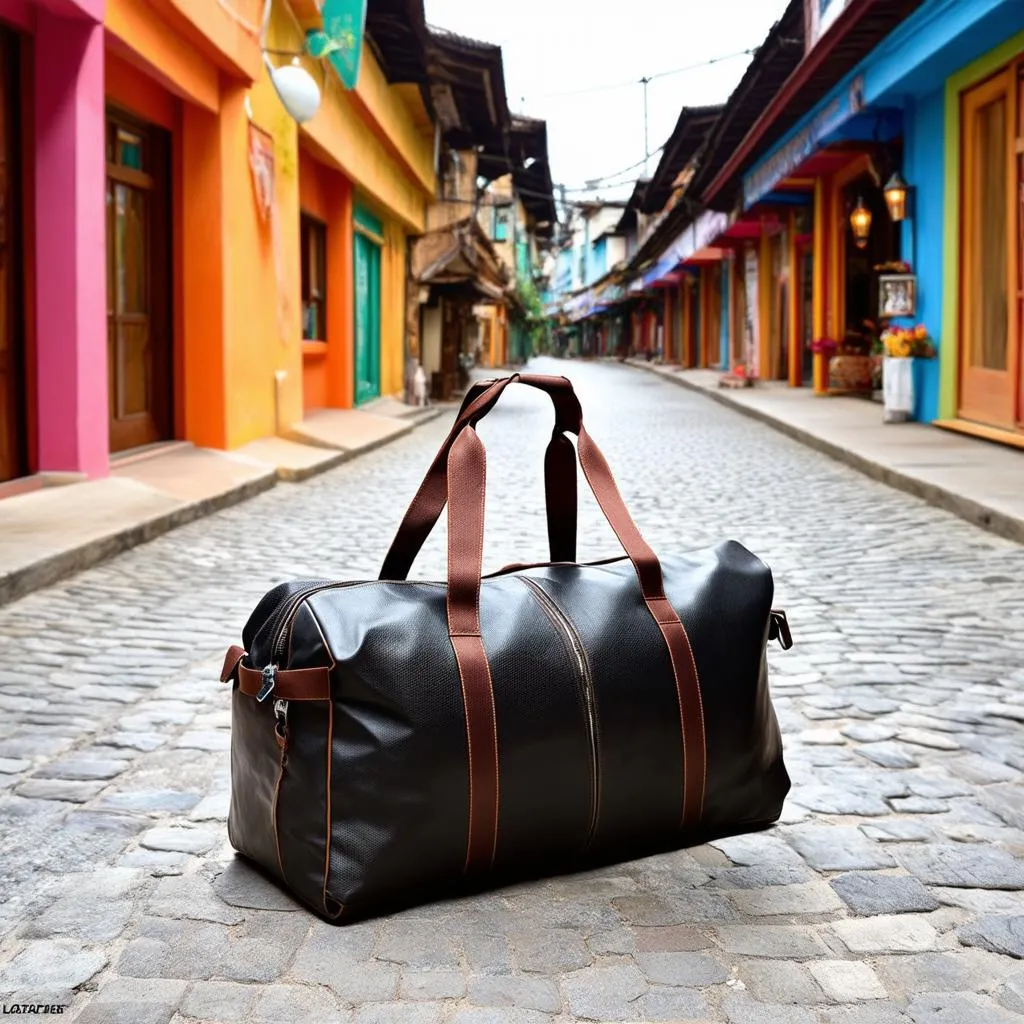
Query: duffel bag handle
x=467 y=470
x=559 y=474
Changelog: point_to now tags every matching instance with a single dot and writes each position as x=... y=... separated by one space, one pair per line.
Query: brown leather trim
x=277 y=795
x=482 y=747
x=289 y=683
x=232 y=659
x=465 y=561
x=684 y=665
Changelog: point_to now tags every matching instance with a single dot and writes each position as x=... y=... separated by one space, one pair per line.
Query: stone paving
x=892 y=891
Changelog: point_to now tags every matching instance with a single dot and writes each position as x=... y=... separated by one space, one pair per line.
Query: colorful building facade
x=940 y=100
x=191 y=264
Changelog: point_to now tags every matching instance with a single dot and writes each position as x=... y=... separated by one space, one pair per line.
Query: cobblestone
x=883 y=894
x=846 y=981
x=902 y=708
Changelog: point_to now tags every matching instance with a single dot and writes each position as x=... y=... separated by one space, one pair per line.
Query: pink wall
x=70 y=222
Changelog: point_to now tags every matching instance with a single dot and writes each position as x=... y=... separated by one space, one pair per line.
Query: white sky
x=558 y=46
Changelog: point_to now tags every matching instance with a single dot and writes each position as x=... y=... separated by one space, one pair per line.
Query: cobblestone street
x=892 y=892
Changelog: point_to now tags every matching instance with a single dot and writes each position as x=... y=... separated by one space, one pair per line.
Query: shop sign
x=820 y=16
x=787 y=158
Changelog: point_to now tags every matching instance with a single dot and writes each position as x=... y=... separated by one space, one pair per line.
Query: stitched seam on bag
x=497 y=767
x=703 y=724
x=469 y=755
x=572 y=655
x=330 y=760
x=487 y=666
x=273 y=816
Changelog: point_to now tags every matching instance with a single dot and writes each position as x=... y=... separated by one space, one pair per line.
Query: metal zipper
x=586 y=689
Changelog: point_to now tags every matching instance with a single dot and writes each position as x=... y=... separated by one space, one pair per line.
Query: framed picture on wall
x=897 y=295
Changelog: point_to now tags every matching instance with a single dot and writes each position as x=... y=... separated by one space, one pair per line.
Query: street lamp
x=860 y=221
x=298 y=92
x=895 y=193
x=295 y=87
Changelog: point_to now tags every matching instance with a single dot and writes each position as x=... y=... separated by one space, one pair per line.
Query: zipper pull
x=269 y=678
x=779 y=629
x=281 y=721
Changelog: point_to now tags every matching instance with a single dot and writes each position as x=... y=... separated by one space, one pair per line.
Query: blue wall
x=597 y=260
x=924 y=231
x=907 y=73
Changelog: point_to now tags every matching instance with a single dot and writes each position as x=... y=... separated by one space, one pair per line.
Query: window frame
x=313 y=252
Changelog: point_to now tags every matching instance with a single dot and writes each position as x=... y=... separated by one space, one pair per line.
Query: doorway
x=13 y=461
x=367 y=348
x=138 y=283
x=991 y=280
x=860 y=291
x=805 y=306
x=778 y=307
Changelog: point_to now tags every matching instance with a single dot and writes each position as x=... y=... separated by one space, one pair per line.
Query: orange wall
x=149 y=43
x=137 y=93
x=327 y=371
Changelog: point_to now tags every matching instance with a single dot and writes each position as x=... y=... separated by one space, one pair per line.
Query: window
x=500 y=224
x=314 y=279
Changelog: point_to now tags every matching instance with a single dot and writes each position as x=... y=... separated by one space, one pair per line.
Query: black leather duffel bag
x=395 y=739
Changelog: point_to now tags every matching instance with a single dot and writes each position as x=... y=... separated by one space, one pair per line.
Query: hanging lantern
x=860 y=221
x=895 y=193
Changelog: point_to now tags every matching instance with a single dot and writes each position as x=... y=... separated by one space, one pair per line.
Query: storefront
x=984 y=384
x=941 y=252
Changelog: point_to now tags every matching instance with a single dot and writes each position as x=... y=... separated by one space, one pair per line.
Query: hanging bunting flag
x=341 y=39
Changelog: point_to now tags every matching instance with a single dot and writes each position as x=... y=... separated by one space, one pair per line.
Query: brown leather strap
x=559 y=475
x=465 y=563
x=289 y=684
x=232 y=659
x=684 y=666
x=466 y=489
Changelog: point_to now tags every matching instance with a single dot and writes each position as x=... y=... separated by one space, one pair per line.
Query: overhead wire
x=608 y=86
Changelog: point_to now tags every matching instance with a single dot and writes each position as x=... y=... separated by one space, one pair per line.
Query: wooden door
x=12 y=371
x=989 y=281
x=1018 y=248
x=367 y=313
x=778 y=319
x=138 y=284
x=804 y=286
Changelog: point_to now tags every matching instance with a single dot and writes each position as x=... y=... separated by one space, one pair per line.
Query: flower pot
x=849 y=374
x=897 y=389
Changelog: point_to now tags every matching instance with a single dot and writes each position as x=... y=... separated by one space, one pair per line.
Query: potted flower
x=900 y=347
x=740 y=376
x=849 y=363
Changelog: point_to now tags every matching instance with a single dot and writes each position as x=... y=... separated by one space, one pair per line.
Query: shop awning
x=695 y=238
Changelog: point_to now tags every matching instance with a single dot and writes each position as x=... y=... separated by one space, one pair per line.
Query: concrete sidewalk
x=61 y=526
x=977 y=480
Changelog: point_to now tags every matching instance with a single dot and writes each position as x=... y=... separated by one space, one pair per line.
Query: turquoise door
x=367 y=312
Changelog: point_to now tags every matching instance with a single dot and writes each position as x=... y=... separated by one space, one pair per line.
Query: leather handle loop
x=467 y=480
x=559 y=474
